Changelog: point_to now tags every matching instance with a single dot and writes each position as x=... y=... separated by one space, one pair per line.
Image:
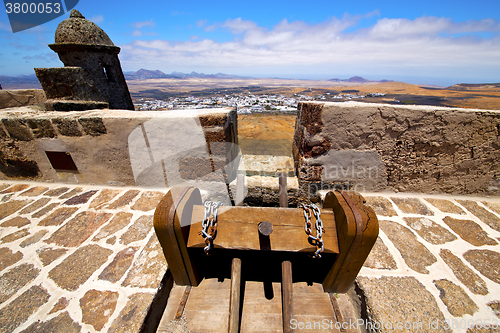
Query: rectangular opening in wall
x=61 y=160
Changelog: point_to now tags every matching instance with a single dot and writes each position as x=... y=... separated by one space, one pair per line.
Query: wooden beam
x=237 y=228
x=287 y=295
x=235 y=296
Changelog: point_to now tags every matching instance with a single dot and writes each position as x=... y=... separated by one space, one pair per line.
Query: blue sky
x=426 y=42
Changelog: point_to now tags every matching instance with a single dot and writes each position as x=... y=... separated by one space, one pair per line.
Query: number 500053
x=33 y=8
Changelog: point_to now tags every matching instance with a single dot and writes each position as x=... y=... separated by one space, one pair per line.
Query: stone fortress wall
x=374 y=147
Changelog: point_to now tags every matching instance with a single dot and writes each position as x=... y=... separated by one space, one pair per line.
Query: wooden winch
x=265 y=243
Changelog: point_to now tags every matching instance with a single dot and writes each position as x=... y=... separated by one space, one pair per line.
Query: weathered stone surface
x=411 y=206
x=79 y=266
x=80 y=199
x=122 y=261
x=429 y=230
x=15 y=188
x=67 y=127
x=495 y=306
x=58 y=216
x=61 y=323
x=78 y=229
x=11 y=207
x=455 y=298
x=8 y=258
x=111 y=240
x=41 y=128
x=55 y=192
x=16 y=278
x=45 y=210
x=17 y=221
x=463 y=273
x=20 y=309
x=124 y=199
x=381 y=206
x=469 y=231
x=48 y=255
x=487 y=217
x=486 y=262
x=35 y=191
x=446 y=206
x=15 y=236
x=61 y=304
x=494 y=206
x=103 y=198
x=35 y=206
x=482 y=329
x=149 y=267
x=416 y=255
x=33 y=239
x=137 y=231
x=380 y=257
x=119 y=222
x=97 y=306
x=131 y=317
x=71 y=193
x=93 y=126
x=18 y=129
x=401 y=300
x=148 y=201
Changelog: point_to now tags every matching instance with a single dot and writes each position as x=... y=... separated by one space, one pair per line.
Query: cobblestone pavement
x=86 y=259
x=77 y=258
x=436 y=264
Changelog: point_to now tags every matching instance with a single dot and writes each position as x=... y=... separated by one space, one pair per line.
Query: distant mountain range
x=31 y=81
x=357 y=79
x=143 y=74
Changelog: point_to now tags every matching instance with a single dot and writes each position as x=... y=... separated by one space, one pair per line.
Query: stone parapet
x=21 y=97
x=370 y=147
x=118 y=147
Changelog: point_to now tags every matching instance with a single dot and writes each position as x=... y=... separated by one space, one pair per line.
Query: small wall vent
x=61 y=160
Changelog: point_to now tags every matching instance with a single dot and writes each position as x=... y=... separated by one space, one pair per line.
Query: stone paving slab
x=86 y=259
x=435 y=266
x=77 y=258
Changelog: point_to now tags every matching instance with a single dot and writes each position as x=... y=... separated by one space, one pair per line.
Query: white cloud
x=142 y=24
x=426 y=44
x=97 y=19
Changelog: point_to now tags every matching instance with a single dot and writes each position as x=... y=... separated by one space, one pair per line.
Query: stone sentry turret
x=92 y=77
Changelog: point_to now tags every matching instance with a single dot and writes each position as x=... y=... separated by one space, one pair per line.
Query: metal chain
x=317 y=241
x=209 y=224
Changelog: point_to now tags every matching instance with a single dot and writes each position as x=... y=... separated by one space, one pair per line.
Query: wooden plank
x=237 y=228
x=261 y=314
x=234 y=298
x=207 y=309
x=287 y=295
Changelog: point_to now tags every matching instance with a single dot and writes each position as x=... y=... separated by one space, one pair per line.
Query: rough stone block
x=79 y=266
x=18 y=129
x=61 y=323
x=466 y=275
x=93 y=126
x=15 y=279
x=429 y=230
x=414 y=253
x=97 y=306
x=78 y=229
x=41 y=128
x=486 y=262
x=8 y=258
x=67 y=127
x=119 y=266
x=20 y=309
x=455 y=298
x=469 y=231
